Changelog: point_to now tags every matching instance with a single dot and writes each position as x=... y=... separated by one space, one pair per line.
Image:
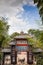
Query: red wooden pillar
x=27 y=57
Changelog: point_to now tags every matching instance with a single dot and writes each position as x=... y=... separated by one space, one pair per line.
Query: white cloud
x=29 y=2
x=16 y=24
x=11 y=8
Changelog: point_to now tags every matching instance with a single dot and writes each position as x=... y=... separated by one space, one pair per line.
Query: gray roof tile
x=6 y=50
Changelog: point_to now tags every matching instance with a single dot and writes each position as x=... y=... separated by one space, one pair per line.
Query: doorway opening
x=21 y=57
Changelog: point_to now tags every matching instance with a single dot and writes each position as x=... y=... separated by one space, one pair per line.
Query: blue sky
x=30 y=15
x=22 y=14
x=30 y=12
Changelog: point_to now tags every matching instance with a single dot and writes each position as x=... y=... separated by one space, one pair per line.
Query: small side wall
x=6 y=58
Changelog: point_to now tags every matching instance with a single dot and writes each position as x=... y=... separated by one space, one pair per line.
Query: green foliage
x=34 y=32
x=39 y=58
x=14 y=34
x=41 y=37
x=37 y=38
x=40 y=7
x=30 y=41
x=6 y=41
x=38 y=34
x=3 y=32
x=40 y=61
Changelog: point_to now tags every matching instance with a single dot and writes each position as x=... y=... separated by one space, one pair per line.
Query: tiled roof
x=12 y=43
x=37 y=50
x=6 y=50
x=22 y=36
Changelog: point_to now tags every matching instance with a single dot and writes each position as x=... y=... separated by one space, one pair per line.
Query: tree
x=4 y=37
x=40 y=7
x=37 y=37
x=14 y=34
x=34 y=32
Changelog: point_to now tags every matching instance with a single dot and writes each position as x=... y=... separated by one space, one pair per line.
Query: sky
x=21 y=15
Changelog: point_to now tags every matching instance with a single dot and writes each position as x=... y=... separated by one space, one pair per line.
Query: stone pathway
x=22 y=64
